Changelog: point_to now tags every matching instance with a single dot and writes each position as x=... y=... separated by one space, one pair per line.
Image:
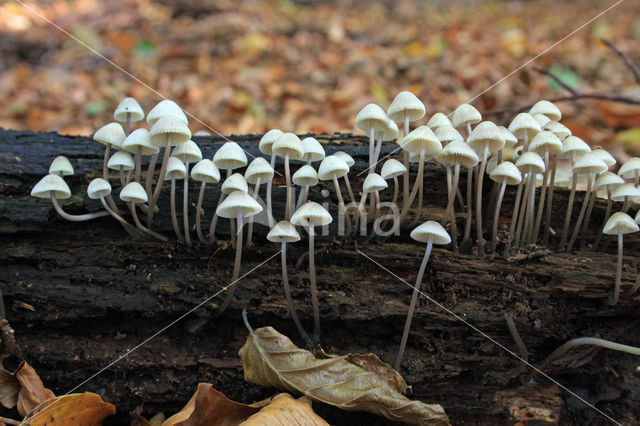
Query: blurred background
x=310 y=66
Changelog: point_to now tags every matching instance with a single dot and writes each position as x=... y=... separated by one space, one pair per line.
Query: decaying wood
x=81 y=294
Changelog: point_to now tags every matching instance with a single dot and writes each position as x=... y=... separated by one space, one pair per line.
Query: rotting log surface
x=95 y=293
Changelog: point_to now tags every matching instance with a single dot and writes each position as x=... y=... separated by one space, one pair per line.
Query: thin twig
x=628 y=62
x=554 y=77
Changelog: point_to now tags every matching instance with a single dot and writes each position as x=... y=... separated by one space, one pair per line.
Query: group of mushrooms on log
x=79 y=294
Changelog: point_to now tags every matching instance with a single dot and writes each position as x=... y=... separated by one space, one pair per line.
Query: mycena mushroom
x=619 y=224
x=132 y=194
x=188 y=152
x=128 y=110
x=288 y=146
x=257 y=172
x=53 y=187
x=98 y=189
x=205 y=171
x=265 y=145
x=175 y=170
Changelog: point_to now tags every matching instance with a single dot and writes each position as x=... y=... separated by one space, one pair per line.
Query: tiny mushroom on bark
x=257 y=172
x=309 y=216
x=265 y=145
x=121 y=161
x=188 y=152
x=609 y=161
x=631 y=170
x=373 y=184
x=619 y=224
x=54 y=188
x=133 y=193
x=98 y=189
x=558 y=129
x=205 y=171
x=128 y=110
x=235 y=182
x=175 y=170
x=546 y=108
x=505 y=173
x=391 y=169
x=288 y=146
x=350 y=162
x=237 y=205
x=529 y=163
x=524 y=127
x=372 y=119
x=438 y=120
x=430 y=232
x=284 y=232
x=626 y=193
x=332 y=168
x=388 y=134
x=61 y=166
x=313 y=150
x=110 y=135
x=305 y=177
x=464 y=116
x=139 y=143
x=607 y=181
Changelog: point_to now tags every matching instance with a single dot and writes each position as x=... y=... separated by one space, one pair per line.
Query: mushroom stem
x=122 y=177
x=214 y=220
x=372 y=143
x=450 y=214
x=634 y=287
x=416 y=186
x=405 y=162
x=483 y=166
x=583 y=209
x=523 y=211
x=376 y=154
x=616 y=289
x=304 y=195
x=396 y=190
x=349 y=190
x=138 y=164
x=547 y=221
x=626 y=205
x=341 y=206
x=606 y=217
x=418 y=214
x=514 y=219
x=74 y=217
x=185 y=207
x=231 y=288
x=127 y=126
x=127 y=226
x=174 y=216
x=105 y=169
x=530 y=218
x=314 y=289
x=272 y=162
x=132 y=207
x=543 y=193
x=256 y=188
x=199 y=213
x=163 y=171
x=287 y=174
x=585 y=222
x=287 y=293
x=412 y=306
x=567 y=218
x=467 y=225
x=594 y=341
x=496 y=216
x=148 y=182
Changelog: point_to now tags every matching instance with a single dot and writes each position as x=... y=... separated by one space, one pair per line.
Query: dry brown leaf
x=285 y=410
x=271 y=359
x=32 y=391
x=86 y=409
x=9 y=388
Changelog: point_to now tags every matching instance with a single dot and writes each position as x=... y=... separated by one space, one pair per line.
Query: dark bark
x=95 y=293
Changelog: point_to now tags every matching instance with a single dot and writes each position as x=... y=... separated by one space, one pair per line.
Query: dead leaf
x=285 y=410
x=86 y=409
x=32 y=391
x=9 y=388
x=271 y=359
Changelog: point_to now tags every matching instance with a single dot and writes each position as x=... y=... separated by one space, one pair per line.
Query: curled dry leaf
x=32 y=391
x=285 y=410
x=353 y=383
x=86 y=409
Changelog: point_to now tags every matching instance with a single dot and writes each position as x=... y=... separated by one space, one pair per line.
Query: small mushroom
x=313 y=150
x=265 y=145
x=529 y=164
x=388 y=134
x=139 y=143
x=133 y=193
x=430 y=232
x=610 y=162
x=128 y=110
x=332 y=168
x=257 y=172
x=391 y=169
x=505 y=173
x=305 y=177
x=235 y=182
x=626 y=193
x=438 y=120
x=372 y=184
x=350 y=162
x=98 y=189
x=464 y=116
x=53 y=187
x=187 y=152
x=205 y=171
x=61 y=166
x=111 y=135
x=289 y=147
x=606 y=181
x=121 y=161
x=372 y=119
x=524 y=126
x=284 y=232
x=309 y=216
x=546 y=108
x=175 y=170
x=237 y=205
x=619 y=224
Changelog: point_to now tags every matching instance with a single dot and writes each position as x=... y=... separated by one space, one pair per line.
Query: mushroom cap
x=506 y=172
x=121 y=159
x=637 y=218
x=457 y=151
x=541 y=119
x=268 y=139
x=188 y=151
x=312 y=149
x=607 y=180
x=464 y=114
x=283 y=232
x=392 y=168
x=332 y=166
x=547 y=109
x=205 y=170
x=405 y=104
x=110 y=134
x=169 y=127
x=259 y=168
x=530 y=161
x=165 y=108
x=447 y=134
x=390 y=132
x=438 y=120
x=373 y=182
x=625 y=190
x=486 y=133
x=345 y=157
x=630 y=168
x=573 y=146
x=238 y=203
x=311 y=213
x=558 y=129
x=98 y=188
x=288 y=143
x=175 y=169
x=133 y=191
x=431 y=231
x=545 y=141
x=305 y=175
x=61 y=166
x=421 y=139
x=235 y=182
x=620 y=222
x=604 y=155
x=51 y=183
x=524 y=123
x=131 y=106
x=140 y=138
x=372 y=116
x=589 y=163
x=563 y=178
x=230 y=156
x=509 y=138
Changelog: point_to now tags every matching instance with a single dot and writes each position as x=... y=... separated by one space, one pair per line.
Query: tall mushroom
x=284 y=232
x=430 y=232
x=349 y=161
x=54 y=188
x=391 y=169
x=607 y=181
x=289 y=147
x=121 y=162
x=524 y=127
x=626 y=193
x=332 y=168
x=257 y=172
x=110 y=135
x=237 y=205
x=187 y=152
x=235 y=182
x=619 y=224
x=305 y=177
x=175 y=170
x=464 y=116
x=529 y=164
x=312 y=150
x=388 y=134
x=372 y=184
x=438 y=120
x=372 y=119
x=139 y=143
x=610 y=162
x=128 y=110
x=505 y=173
x=266 y=142
x=309 y=216
x=205 y=171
